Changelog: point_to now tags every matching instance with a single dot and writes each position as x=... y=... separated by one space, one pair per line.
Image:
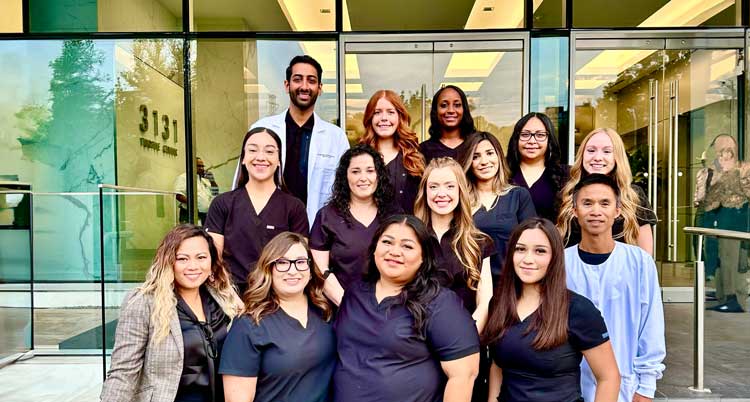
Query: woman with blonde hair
x=387 y=130
x=497 y=206
x=172 y=327
x=282 y=347
x=603 y=152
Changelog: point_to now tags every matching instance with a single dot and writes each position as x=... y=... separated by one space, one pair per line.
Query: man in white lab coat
x=310 y=146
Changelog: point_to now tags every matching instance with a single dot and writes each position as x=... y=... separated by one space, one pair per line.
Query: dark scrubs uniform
x=644 y=214
x=552 y=375
x=291 y=362
x=508 y=211
x=202 y=342
x=544 y=193
x=346 y=239
x=404 y=185
x=380 y=356
x=246 y=232
x=433 y=148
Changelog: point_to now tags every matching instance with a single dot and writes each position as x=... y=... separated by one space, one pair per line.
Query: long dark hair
x=341 y=194
x=552 y=157
x=551 y=318
x=418 y=293
x=244 y=176
x=467 y=122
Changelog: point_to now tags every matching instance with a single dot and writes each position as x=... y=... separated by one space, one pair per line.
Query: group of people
x=431 y=272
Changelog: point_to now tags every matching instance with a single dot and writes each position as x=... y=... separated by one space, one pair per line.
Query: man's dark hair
x=306 y=60
x=596 y=178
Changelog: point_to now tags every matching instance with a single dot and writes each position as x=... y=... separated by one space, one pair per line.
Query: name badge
x=270 y=227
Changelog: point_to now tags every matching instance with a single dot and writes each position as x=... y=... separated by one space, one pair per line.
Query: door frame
x=438 y=43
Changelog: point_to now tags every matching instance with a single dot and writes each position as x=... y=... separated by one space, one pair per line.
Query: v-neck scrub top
x=432 y=148
x=551 y=375
x=246 y=231
x=508 y=211
x=544 y=193
x=380 y=356
x=291 y=362
x=346 y=239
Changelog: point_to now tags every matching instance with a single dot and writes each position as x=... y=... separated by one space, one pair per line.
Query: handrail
x=136 y=189
x=722 y=233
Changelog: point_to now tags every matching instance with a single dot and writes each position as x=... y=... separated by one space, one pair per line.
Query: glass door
x=492 y=72
x=669 y=98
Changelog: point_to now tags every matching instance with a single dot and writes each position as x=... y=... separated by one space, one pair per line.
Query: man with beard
x=310 y=146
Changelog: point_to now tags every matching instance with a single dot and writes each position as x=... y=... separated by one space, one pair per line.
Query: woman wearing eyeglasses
x=282 y=347
x=534 y=163
x=172 y=327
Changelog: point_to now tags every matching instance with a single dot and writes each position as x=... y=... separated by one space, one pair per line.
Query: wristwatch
x=326 y=273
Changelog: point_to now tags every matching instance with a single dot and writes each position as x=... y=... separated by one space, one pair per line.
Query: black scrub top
x=451 y=273
x=405 y=186
x=200 y=340
x=644 y=214
x=291 y=362
x=380 y=356
x=507 y=211
x=552 y=375
x=544 y=192
x=433 y=148
x=346 y=239
x=246 y=232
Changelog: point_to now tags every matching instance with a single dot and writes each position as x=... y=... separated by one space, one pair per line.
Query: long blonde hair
x=260 y=299
x=501 y=183
x=467 y=240
x=160 y=279
x=622 y=175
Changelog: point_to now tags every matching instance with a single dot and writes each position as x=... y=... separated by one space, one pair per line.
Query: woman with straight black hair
x=450 y=124
x=539 y=331
x=243 y=220
x=362 y=197
x=534 y=162
x=400 y=335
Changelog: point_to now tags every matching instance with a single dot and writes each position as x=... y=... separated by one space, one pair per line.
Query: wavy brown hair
x=467 y=240
x=551 y=319
x=404 y=137
x=159 y=281
x=260 y=299
x=501 y=183
x=622 y=175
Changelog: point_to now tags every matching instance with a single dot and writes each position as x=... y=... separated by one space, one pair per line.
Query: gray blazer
x=141 y=369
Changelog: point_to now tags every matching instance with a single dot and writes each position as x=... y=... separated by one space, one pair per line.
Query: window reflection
x=11 y=16
x=105 y=16
x=264 y=15
x=654 y=13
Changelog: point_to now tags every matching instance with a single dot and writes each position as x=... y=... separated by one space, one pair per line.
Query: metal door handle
x=424 y=111
x=674 y=112
x=653 y=152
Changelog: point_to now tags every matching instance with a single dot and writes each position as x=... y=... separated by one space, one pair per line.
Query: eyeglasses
x=540 y=136
x=283 y=265
x=208 y=335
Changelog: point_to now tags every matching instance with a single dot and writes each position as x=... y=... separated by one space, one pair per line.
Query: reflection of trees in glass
x=149 y=56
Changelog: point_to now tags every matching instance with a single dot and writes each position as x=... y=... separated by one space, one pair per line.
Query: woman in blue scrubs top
x=400 y=335
x=539 y=331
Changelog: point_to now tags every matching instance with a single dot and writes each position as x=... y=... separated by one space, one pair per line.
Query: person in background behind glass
x=534 y=163
x=451 y=124
x=387 y=130
x=202 y=191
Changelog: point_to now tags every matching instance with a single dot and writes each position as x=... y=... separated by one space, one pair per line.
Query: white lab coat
x=327 y=144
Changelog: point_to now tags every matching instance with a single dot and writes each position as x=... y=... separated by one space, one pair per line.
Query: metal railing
x=699 y=301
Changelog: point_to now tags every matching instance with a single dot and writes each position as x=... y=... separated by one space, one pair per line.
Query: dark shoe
x=732 y=306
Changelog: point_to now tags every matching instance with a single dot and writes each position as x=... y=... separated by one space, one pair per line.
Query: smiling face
x=192 y=264
x=384 y=119
x=442 y=191
x=398 y=254
x=599 y=154
x=532 y=149
x=532 y=256
x=292 y=282
x=362 y=177
x=450 y=109
x=261 y=157
x=303 y=86
x=485 y=163
x=596 y=209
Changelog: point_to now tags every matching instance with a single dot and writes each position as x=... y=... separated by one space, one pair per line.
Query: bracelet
x=326 y=273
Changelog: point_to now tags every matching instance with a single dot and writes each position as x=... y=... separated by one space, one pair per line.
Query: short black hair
x=306 y=60
x=596 y=178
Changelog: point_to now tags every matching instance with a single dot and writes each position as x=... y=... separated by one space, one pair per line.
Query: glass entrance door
x=669 y=98
x=491 y=72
